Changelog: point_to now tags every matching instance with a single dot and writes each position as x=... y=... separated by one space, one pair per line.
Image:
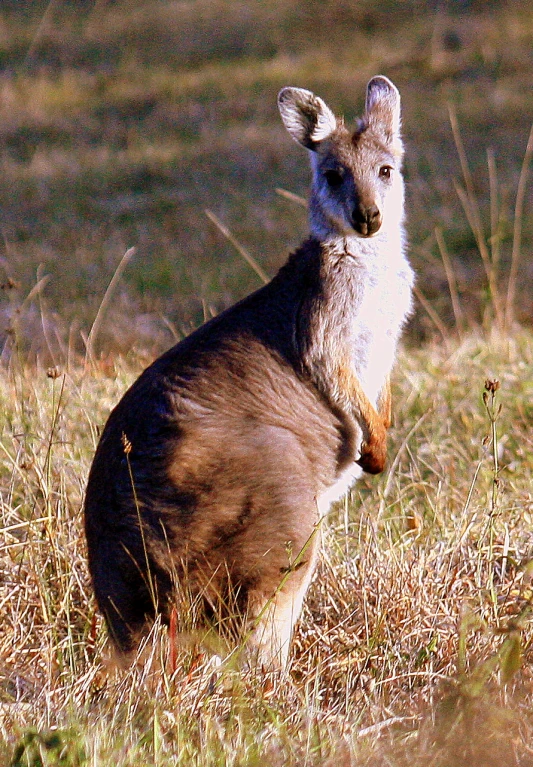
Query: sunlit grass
x=416 y=626
x=415 y=645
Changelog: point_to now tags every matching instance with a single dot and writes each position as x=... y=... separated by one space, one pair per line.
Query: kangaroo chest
x=384 y=302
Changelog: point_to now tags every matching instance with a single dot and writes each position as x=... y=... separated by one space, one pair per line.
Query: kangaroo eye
x=334 y=178
x=385 y=171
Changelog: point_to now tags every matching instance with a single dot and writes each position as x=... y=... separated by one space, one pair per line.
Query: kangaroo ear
x=307 y=118
x=383 y=110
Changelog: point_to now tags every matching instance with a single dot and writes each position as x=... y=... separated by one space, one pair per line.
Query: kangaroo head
x=357 y=187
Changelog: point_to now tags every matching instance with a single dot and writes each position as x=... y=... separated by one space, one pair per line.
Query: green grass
x=120 y=123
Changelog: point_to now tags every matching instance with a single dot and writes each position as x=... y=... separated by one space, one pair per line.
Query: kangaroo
x=213 y=471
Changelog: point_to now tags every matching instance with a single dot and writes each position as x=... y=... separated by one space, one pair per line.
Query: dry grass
x=415 y=644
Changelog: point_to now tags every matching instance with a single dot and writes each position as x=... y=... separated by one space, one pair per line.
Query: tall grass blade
x=238 y=247
x=517 y=233
x=452 y=282
x=95 y=329
x=470 y=205
x=432 y=314
x=495 y=218
x=292 y=197
x=41 y=29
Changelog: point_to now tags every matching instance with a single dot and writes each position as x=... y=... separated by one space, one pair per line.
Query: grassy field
x=415 y=646
x=122 y=122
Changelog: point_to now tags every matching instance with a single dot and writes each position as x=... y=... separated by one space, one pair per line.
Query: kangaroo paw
x=373 y=457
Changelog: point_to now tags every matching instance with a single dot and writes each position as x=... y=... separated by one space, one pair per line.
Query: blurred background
x=122 y=122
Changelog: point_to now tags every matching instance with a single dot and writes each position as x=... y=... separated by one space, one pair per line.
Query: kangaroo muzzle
x=366 y=219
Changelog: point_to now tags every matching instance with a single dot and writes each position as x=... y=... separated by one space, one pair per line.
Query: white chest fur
x=384 y=304
x=339 y=488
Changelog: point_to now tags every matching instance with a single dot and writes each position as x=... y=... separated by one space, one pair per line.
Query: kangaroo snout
x=366 y=219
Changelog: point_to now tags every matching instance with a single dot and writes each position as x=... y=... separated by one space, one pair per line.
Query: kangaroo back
x=213 y=470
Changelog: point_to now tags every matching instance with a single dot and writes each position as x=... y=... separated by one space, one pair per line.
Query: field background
x=121 y=124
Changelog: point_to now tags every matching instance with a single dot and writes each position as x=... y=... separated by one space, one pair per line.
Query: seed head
x=126 y=444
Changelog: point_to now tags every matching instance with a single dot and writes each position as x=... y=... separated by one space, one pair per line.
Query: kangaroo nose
x=366 y=219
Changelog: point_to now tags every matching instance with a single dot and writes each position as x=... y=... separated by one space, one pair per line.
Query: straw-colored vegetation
x=415 y=645
x=120 y=124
